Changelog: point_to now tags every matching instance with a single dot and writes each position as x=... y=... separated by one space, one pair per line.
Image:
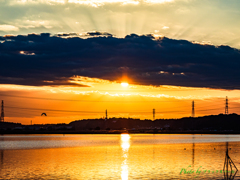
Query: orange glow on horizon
x=64 y=104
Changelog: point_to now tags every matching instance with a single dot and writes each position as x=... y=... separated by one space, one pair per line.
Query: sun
x=124 y=84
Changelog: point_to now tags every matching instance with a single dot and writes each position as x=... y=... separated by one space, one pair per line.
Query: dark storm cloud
x=52 y=60
x=85 y=35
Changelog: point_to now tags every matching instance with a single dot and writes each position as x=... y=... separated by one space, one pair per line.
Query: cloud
x=42 y=59
x=94 y=3
x=158 y=1
x=165 y=27
x=8 y=28
x=186 y=19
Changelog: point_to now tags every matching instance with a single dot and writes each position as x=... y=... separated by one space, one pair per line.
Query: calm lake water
x=124 y=157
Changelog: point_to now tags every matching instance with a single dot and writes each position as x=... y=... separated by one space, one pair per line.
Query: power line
x=38 y=109
x=57 y=110
x=178 y=111
x=56 y=99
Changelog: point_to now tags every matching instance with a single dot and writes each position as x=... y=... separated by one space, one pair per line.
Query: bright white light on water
x=125 y=137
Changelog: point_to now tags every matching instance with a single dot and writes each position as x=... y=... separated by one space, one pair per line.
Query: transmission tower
x=106 y=114
x=226 y=106
x=193 y=111
x=153 y=114
x=2 y=112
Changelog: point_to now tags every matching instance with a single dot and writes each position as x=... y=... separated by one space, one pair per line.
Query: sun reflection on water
x=125 y=137
x=125 y=144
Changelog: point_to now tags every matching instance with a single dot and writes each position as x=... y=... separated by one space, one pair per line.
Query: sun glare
x=124 y=84
x=125 y=137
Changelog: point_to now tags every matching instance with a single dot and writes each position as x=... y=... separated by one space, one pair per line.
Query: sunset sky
x=68 y=58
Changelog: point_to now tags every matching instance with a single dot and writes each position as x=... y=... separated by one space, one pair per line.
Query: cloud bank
x=200 y=20
x=42 y=59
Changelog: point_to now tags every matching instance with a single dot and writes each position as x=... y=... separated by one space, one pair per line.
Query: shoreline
x=2 y=132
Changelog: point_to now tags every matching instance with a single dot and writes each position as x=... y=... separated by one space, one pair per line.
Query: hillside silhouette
x=214 y=123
